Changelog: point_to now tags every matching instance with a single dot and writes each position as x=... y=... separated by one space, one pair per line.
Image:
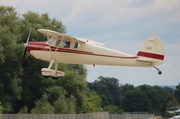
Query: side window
x=51 y=40
x=63 y=44
x=77 y=45
x=67 y=44
x=57 y=42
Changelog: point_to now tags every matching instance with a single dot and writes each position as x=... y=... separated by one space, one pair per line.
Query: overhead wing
x=97 y=43
x=56 y=34
x=90 y=41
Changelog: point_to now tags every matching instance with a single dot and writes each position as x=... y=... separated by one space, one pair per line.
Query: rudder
x=152 y=51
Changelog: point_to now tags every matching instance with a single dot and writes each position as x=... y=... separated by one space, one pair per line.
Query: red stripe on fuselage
x=151 y=55
x=42 y=46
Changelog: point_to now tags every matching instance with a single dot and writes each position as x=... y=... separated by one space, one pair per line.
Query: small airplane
x=62 y=48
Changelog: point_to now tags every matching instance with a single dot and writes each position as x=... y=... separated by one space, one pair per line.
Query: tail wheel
x=159 y=72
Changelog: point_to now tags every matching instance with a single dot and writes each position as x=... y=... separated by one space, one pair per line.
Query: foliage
x=1 y=108
x=92 y=102
x=178 y=87
x=61 y=103
x=156 y=95
x=108 y=89
x=22 y=86
x=113 y=109
x=10 y=57
x=24 y=110
x=127 y=87
x=43 y=106
x=30 y=82
x=137 y=101
x=172 y=102
x=177 y=93
x=65 y=106
x=73 y=83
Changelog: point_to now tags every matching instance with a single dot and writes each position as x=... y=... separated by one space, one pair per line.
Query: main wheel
x=46 y=76
x=159 y=72
x=55 y=78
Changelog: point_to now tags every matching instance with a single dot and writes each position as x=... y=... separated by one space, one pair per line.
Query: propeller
x=25 y=49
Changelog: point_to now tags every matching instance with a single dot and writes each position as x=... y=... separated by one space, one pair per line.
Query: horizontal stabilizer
x=144 y=59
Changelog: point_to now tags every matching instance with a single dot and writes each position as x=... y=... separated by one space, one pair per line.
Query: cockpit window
x=63 y=44
x=57 y=42
x=67 y=44
x=51 y=40
x=77 y=45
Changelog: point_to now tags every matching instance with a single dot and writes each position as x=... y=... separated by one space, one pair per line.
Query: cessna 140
x=62 y=48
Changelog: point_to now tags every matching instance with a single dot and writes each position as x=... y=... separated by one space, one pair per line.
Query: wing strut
x=46 y=72
x=49 y=45
x=51 y=63
x=52 y=55
x=58 y=45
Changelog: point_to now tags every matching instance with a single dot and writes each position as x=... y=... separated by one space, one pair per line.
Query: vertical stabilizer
x=152 y=51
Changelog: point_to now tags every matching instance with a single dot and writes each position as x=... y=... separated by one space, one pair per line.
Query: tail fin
x=152 y=51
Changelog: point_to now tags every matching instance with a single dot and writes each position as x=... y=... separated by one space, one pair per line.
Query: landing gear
x=55 y=78
x=46 y=76
x=159 y=72
x=48 y=72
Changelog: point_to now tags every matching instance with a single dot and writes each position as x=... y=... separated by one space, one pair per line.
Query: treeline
x=24 y=90
x=117 y=98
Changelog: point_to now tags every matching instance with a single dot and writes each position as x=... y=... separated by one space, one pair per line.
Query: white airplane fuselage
x=62 y=48
x=88 y=53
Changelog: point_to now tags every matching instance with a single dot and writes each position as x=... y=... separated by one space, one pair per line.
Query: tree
x=10 y=57
x=136 y=100
x=73 y=83
x=61 y=103
x=92 y=102
x=1 y=108
x=172 y=102
x=43 y=106
x=108 y=89
x=177 y=93
x=24 y=110
x=152 y=96
x=65 y=105
x=178 y=86
x=22 y=86
x=113 y=109
x=127 y=87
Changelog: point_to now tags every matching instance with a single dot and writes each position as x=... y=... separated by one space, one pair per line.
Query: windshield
x=59 y=43
x=50 y=41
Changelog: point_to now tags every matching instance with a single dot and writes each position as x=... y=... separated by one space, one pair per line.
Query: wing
x=54 y=33
x=90 y=41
